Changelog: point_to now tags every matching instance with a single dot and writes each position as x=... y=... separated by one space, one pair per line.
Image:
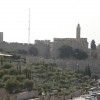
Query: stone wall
x=46 y=48
x=43 y=48
x=81 y=64
x=24 y=95
x=2 y=94
x=74 y=43
x=14 y=46
x=72 y=63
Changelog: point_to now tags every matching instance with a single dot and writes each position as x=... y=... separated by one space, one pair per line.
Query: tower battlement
x=1 y=36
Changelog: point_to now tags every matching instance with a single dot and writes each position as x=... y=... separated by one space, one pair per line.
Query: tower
x=29 y=28
x=78 y=31
x=1 y=36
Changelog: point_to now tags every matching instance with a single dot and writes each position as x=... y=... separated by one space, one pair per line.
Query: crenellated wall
x=14 y=46
x=73 y=42
x=46 y=48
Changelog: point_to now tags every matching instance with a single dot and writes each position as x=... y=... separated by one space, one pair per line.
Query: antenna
x=29 y=28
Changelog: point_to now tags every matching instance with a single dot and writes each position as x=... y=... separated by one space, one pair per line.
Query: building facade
x=49 y=49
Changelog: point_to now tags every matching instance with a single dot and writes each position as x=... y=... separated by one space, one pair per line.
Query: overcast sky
x=49 y=19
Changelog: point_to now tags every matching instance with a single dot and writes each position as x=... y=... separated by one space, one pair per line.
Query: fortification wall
x=43 y=47
x=43 y=50
x=47 y=48
x=74 y=43
x=74 y=64
x=14 y=46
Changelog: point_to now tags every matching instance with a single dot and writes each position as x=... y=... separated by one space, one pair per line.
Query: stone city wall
x=74 y=43
x=72 y=63
x=14 y=46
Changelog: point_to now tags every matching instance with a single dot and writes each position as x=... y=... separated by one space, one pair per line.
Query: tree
x=7 y=77
x=7 y=66
x=12 y=85
x=28 y=84
x=23 y=52
x=33 y=51
x=79 y=54
x=98 y=46
x=88 y=70
x=20 y=78
x=65 y=51
x=93 y=45
x=93 y=48
x=15 y=57
x=27 y=73
x=13 y=71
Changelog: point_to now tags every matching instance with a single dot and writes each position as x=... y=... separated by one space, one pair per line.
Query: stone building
x=1 y=36
x=46 y=48
x=75 y=43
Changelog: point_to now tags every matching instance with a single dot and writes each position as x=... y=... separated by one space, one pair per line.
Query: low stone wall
x=29 y=94
x=76 y=94
x=24 y=95
x=2 y=93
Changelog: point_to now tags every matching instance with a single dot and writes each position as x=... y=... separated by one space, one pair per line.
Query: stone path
x=79 y=98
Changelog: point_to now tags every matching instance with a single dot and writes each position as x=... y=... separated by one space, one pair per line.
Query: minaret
x=78 y=31
x=29 y=28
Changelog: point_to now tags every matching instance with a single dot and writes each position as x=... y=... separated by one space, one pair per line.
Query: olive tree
x=33 y=51
x=65 y=51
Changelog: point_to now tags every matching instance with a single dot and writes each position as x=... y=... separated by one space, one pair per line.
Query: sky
x=49 y=19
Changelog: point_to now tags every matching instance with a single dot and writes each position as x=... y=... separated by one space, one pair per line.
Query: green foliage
x=23 y=52
x=1 y=73
x=12 y=71
x=79 y=54
x=27 y=72
x=88 y=71
x=2 y=85
x=5 y=71
x=21 y=78
x=16 y=57
x=33 y=51
x=68 y=52
x=95 y=76
x=65 y=51
x=98 y=46
x=46 y=77
x=28 y=84
x=7 y=66
x=93 y=45
x=12 y=85
x=7 y=77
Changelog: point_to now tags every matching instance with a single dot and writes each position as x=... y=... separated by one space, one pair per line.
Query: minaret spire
x=78 y=31
x=29 y=29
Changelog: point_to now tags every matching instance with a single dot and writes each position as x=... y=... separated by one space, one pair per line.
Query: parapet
x=42 y=42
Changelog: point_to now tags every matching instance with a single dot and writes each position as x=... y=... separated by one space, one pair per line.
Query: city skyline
x=49 y=19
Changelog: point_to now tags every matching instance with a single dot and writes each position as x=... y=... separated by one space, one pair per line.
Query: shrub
x=6 y=77
x=12 y=85
x=12 y=71
x=28 y=84
x=7 y=66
